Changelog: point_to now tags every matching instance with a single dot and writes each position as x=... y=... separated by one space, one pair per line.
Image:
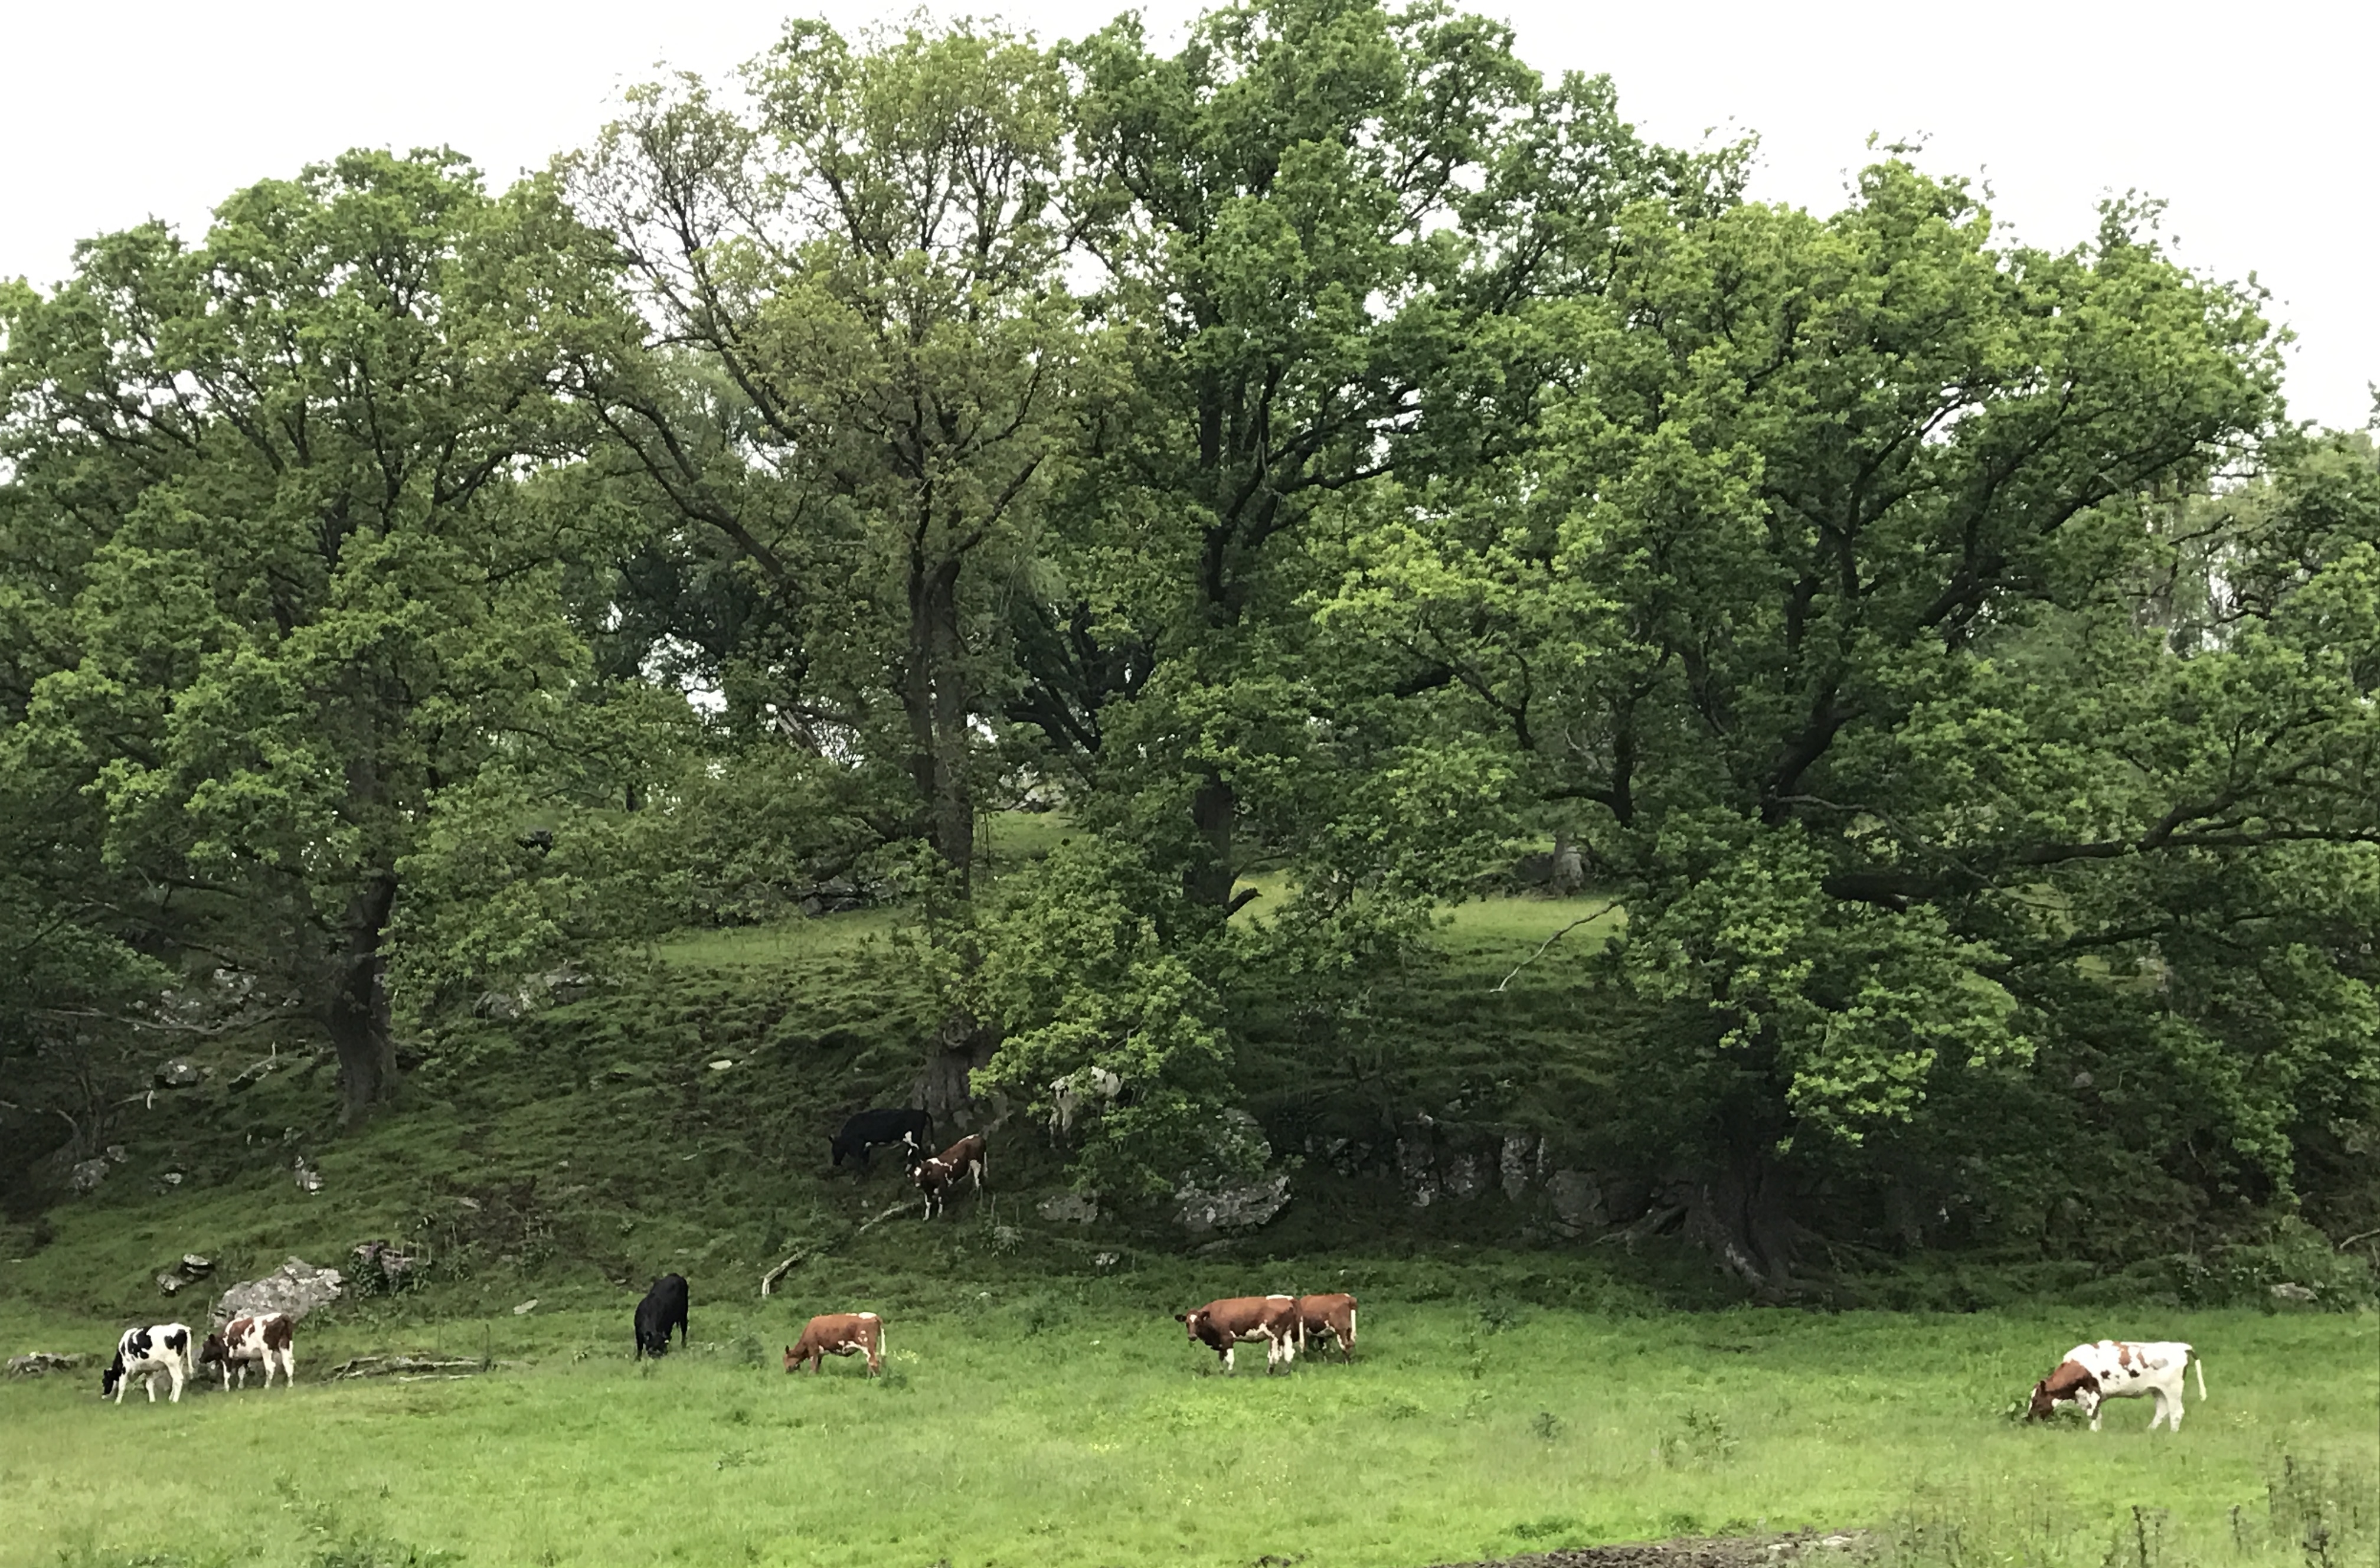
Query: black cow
x=871 y=1128
x=663 y=1306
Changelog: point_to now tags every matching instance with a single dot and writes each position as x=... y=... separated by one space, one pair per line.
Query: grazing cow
x=663 y=1308
x=1222 y=1325
x=1077 y=1091
x=2119 y=1370
x=161 y=1347
x=936 y=1176
x=1331 y=1315
x=264 y=1337
x=870 y=1129
x=839 y=1334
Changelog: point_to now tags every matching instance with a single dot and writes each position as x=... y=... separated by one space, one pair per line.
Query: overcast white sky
x=2254 y=122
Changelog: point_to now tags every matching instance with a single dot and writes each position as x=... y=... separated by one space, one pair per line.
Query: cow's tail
x=2200 y=1363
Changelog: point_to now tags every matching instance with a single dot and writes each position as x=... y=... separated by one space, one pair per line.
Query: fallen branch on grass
x=412 y=1369
x=1609 y=904
x=868 y=1225
x=768 y=1281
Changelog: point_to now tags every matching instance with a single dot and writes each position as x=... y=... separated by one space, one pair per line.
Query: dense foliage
x=1328 y=453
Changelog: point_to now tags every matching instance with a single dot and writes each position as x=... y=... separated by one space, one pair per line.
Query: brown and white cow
x=2119 y=1370
x=264 y=1337
x=1331 y=1315
x=1222 y=1325
x=839 y=1334
x=937 y=1174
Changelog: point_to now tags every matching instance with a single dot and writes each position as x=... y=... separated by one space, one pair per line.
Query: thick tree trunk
x=1208 y=879
x=358 y=1015
x=942 y=1090
x=1741 y=1209
x=935 y=700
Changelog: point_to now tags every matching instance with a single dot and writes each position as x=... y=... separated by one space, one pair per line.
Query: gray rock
x=504 y=1007
x=1415 y=1158
x=86 y=1176
x=1069 y=1208
x=1578 y=1202
x=1464 y=1177
x=310 y=1180
x=180 y=1073
x=1242 y=1207
x=194 y=1267
x=295 y=1288
x=169 y=1283
x=2287 y=1292
x=117 y=1153
x=1512 y=1164
x=37 y=1363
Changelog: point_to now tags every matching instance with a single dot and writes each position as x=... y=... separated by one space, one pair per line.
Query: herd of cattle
x=1284 y=1325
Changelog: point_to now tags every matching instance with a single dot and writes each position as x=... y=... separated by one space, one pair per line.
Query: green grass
x=1064 y=1420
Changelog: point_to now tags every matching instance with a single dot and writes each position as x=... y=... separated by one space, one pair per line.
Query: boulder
x=1463 y=1177
x=180 y=1073
x=1415 y=1158
x=2287 y=1291
x=1512 y=1164
x=295 y=1288
x=1239 y=1206
x=37 y=1363
x=169 y=1283
x=85 y=1175
x=1578 y=1202
x=1070 y=1208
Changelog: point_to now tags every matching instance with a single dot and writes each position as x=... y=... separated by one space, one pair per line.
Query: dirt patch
x=1723 y=1551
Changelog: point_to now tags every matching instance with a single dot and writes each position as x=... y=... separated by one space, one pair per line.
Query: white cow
x=1079 y=1091
x=2121 y=1370
x=161 y=1347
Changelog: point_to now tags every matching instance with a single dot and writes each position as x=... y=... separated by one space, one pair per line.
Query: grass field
x=1066 y=1421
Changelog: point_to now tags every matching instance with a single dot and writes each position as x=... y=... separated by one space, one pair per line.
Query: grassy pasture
x=1066 y=1421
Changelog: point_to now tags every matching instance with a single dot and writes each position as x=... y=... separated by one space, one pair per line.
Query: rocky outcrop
x=1240 y=1207
x=295 y=1288
x=39 y=1363
x=1069 y=1208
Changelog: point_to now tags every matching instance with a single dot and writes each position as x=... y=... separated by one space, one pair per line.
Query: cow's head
x=113 y=1374
x=2071 y=1380
x=792 y=1360
x=652 y=1344
x=1195 y=1322
x=214 y=1351
x=839 y=1148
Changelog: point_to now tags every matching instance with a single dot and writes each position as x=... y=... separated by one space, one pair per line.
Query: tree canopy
x=1328 y=453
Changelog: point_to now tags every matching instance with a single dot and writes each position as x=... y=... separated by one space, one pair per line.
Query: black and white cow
x=161 y=1347
x=873 y=1129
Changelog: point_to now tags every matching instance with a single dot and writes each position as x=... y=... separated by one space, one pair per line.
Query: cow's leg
x=1229 y=1349
x=174 y=1376
x=151 y=1382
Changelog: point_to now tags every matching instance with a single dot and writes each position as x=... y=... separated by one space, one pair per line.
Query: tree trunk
x=1208 y=880
x=1741 y=1212
x=934 y=699
x=358 y=1015
x=942 y=1090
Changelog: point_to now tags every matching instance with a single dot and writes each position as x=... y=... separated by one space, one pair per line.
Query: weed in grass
x=1546 y=1426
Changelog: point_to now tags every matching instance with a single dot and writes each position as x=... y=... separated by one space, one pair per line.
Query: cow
x=161 y=1347
x=1331 y=1315
x=2119 y=1370
x=839 y=1334
x=264 y=1337
x=663 y=1308
x=1077 y=1092
x=1222 y=1325
x=870 y=1129
x=936 y=1176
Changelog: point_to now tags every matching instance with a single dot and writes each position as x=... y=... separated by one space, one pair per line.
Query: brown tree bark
x=357 y=1017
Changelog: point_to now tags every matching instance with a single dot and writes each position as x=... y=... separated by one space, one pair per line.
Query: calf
x=264 y=1337
x=936 y=1176
x=2119 y=1370
x=161 y=1347
x=1331 y=1315
x=1222 y=1325
x=870 y=1129
x=663 y=1308
x=839 y=1334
